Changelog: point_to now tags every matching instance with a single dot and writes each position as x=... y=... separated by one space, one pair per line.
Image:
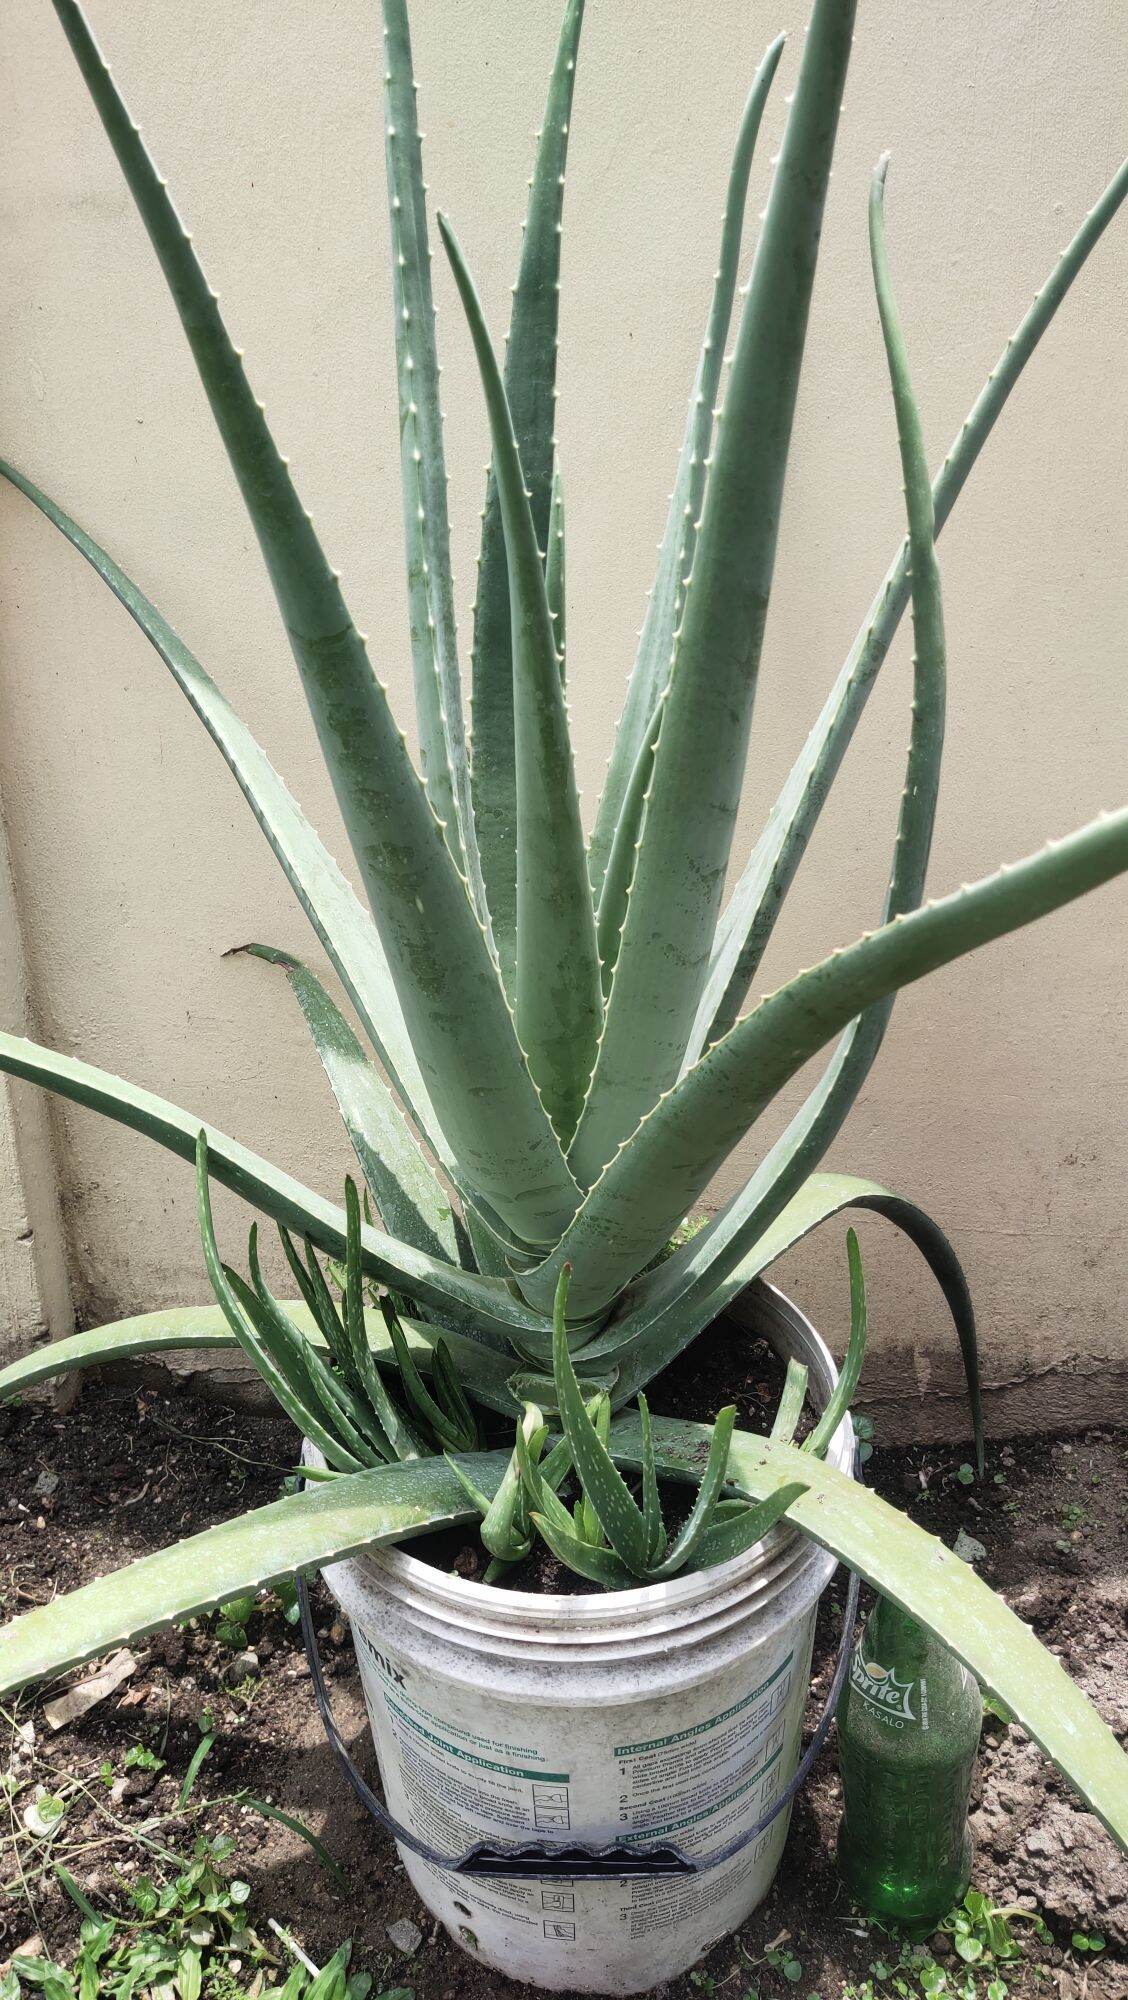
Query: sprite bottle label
x=908 y=1729
x=897 y=1701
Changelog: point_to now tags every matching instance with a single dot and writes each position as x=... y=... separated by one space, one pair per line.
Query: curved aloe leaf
x=750 y=916
x=730 y=1536
x=530 y=383
x=471 y=1300
x=673 y=1304
x=482 y=1370
x=700 y=757
x=122 y=1340
x=342 y=924
x=557 y=1000
x=658 y=1177
x=434 y=942
x=588 y=1559
x=413 y=1204
x=933 y=1585
x=326 y=1522
x=686 y=1544
x=430 y=581
x=656 y=640
x=838 y=1403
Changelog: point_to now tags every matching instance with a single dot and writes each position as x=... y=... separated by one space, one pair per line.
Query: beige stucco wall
x=999 y=1101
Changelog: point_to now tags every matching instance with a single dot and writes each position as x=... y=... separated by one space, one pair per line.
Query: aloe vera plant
x=548 y=1060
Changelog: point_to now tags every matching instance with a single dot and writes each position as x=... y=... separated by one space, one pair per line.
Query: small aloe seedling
x=608 y=1536
x=334 y=1392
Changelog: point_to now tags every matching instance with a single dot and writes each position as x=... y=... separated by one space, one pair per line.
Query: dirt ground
x=130 y=1469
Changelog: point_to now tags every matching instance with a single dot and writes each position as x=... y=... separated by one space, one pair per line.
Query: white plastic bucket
x=674 y=1711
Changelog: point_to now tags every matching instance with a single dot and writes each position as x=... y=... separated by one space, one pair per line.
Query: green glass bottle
x=908 y=1729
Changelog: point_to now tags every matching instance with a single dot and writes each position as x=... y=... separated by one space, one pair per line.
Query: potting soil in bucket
x=668 y=1714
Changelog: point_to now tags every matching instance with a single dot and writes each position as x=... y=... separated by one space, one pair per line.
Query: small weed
x=138 y=1758
x=1087 y=1941
x=985 y=1946
x=779 y=1956
x=863 y=1434
x=982 y=1931
x=966 y=1474
x=186 y=1937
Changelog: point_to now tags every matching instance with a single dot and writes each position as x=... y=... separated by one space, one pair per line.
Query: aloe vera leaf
x=483 y=1370
x=323 y=1524
x=819 y=1119
x=683 y=1550
x=358 y=1428
x=557 y=1001
x=473 y=1491
x=599 y=1565
x=656 y=1179
x=651 y=1498
x=329 y=1316
x=603 y=1487
x=530 y=383
x=423 y=1404
x=315 y=1387
x=301 y=1410
x=430 y=580
x=734 y=1533
x=914 y=1569
x=413 y=1204
x=699 y=761
x=813 y=1128
x=504 y=1528
x=399 y=1432
x=315 y=1294
x=451 y=1397
x=433 y=939
x=482 y=1303
x=555 y=569
x=615 y=888
x=842 y=1395
x=587 y=1522
x=750 y=916
x=343 y=926
x=656 y=640
x=539 y=1490
x=790 y=1407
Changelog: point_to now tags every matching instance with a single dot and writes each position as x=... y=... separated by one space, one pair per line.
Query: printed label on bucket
x=694 y=1769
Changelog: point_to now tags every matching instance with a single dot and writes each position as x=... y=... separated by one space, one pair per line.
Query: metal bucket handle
x=548 y=1861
